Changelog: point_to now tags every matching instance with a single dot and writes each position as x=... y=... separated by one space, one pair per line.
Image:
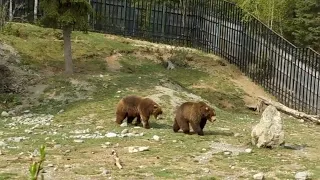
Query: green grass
x=88 y=100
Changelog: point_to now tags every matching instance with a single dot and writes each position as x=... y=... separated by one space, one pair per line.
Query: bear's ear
x=155 y=106
x=207 y=108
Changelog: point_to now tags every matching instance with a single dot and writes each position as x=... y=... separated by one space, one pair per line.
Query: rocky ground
x=74 y=116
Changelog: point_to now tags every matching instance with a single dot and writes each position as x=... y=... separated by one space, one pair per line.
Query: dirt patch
x=113 y=63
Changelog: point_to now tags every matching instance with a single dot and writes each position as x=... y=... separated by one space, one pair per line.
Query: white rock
x=269 y=131
x=125 y=131
x=174 y=141
x=28 y=131
x=124 y=124
x=57 y=146
x=99 y=127
x=1 y=153
x=4 y=114
x=67 y=166
x=259 y=176
x=227 y=153
x=78 y=140
x=302 y=175
x=50 y=165
x=107 y=143
x=68 y=151
x=156 y=138
x=236 y=134
x=206 y=170
x=104 y=172
x=111 y=134
x=137 y=127
x=203 y=149
x=248 y=150
x=2 y=143
x=133 y=149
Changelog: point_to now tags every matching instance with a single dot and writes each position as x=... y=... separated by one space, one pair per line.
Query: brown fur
x=194 y=113
x=132 y=107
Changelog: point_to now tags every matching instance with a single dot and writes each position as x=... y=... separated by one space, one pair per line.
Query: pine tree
x=67 y=15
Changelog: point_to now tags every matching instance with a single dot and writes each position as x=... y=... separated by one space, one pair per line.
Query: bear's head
x=207 y=112
x=156 y=110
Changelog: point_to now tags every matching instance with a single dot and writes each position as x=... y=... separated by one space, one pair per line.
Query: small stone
x=61 y=126
x=302 y=175
x=156 y=138
x=125 y=131
x=259 y=176
x=50 y=165
x=248 y=150
x=1 y=153
x=124 y=124
x=232 y=167
x=174 y=141
x=99 y=127
x=28 y=131
x=46 y=139
x=20 y=154
x=57 y=146
x=236 y=134
x=109 y=135
x=301 y=120
x=118 y=91
x=206 y=170
x=107 y=143
x=278 y=154
x=92 y=152
x=68 y=151
x=227 y=153
x=104 y=172
x=137 y=127
x=78 y=140
x=67 y=166
x=2 y=143
x=133 y=149
x=204 y=149
x=4 y=114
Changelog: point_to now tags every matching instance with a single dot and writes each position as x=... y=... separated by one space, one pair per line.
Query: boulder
x=269 y=131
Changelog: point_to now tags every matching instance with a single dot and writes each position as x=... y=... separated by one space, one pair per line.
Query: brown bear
x=132 y=107
x=195 y=113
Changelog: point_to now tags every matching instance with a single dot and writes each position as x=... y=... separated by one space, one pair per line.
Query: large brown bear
x=132 y=107
x=195 y=113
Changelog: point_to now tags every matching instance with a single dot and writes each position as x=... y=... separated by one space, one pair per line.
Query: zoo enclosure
x=214 y=26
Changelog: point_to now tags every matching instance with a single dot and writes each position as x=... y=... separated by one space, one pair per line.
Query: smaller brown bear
x=195 y=113
x=132 y=107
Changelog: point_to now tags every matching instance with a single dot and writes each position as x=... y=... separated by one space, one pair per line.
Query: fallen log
x=116 y=159
x=289 y=111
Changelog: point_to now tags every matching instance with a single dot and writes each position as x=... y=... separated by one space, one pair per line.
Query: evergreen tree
x=306 y=24
x=68 y=15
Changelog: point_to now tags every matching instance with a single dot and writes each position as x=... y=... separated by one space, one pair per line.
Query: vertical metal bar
x=317 y=88
x=313 y=88
x=304 y=71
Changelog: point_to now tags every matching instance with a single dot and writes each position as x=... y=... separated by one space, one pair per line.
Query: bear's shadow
x=157 y=125
x=212 y=133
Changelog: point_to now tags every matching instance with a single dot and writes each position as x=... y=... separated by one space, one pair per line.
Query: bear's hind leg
x=138 y=121
x=184 y=125
x=130 y=119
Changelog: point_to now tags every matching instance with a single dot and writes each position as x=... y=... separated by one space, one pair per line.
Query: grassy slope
x=100 y=89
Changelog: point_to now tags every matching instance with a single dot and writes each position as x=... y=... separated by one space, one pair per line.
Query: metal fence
x=216 y=26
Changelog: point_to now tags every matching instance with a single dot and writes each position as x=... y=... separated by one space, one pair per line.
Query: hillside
x=57 y=110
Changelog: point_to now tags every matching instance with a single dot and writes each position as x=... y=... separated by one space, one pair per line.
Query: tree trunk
x=10 y=10
x=67 y=49
x=289 y=111
x=35 y=11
